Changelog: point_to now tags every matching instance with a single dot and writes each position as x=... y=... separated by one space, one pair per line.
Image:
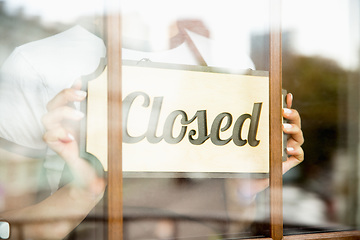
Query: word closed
x=221 y=123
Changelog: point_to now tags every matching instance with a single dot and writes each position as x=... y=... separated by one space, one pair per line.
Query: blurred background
x=321 y=68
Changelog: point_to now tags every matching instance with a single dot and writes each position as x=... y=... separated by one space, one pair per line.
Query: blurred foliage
x=319 y=87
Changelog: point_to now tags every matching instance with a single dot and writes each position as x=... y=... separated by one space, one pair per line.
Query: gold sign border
x=94 y=161
x=148 y=174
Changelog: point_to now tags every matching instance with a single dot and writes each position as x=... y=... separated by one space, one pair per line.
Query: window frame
x=115 y=176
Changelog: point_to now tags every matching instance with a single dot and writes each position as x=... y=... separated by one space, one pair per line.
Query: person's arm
x=55 y=217
x=248 y=188
x=241 y=192
x=296 y=139
x=59 y=214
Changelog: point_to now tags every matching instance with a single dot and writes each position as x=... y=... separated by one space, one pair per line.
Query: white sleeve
x=22 y=105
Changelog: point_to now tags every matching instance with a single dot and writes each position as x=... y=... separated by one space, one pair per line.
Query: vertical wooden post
x=276 y=212
x=115 y=208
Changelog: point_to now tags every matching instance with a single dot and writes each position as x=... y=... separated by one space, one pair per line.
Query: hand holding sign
x=60 y=137
x=248 y=188
x=296 y=139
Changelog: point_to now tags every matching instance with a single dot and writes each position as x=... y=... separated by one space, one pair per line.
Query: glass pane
x=321 y=68
x=46 y=190
x=165 y=44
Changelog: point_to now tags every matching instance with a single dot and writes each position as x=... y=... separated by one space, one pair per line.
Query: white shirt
x=33 y=74
x=215 y=54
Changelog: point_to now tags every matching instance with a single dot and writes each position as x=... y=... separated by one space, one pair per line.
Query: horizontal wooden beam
x=344 y=235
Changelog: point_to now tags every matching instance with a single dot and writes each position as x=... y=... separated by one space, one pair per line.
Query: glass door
x=195 y=143
x=321 y=68
x=46 y=190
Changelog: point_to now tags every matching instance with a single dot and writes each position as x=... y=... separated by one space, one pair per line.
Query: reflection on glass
x=319 y=195
x=321 y=69
x=44 y=195
x=194 y=205
x=189 y=208
x=192 y=36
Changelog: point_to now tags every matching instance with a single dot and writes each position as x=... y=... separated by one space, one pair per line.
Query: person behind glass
x=29 y=78
x=38 y=87
x=188 y=43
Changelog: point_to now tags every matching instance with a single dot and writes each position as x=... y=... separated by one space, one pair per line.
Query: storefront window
x=45 y=46
x=164 y=201
x=321 y=68
x=192 y=103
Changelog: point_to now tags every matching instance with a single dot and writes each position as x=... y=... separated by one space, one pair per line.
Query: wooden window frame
x=115 y=204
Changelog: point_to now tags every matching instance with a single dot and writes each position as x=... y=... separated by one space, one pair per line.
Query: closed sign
x=178 y=120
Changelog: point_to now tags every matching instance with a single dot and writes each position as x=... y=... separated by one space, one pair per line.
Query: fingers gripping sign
x=62 y=123
x=296 y=138
x=295 y=153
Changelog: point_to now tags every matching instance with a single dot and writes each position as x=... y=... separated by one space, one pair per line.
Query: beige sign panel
x=94 y=127
x=185 y=121
x=96 y=139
